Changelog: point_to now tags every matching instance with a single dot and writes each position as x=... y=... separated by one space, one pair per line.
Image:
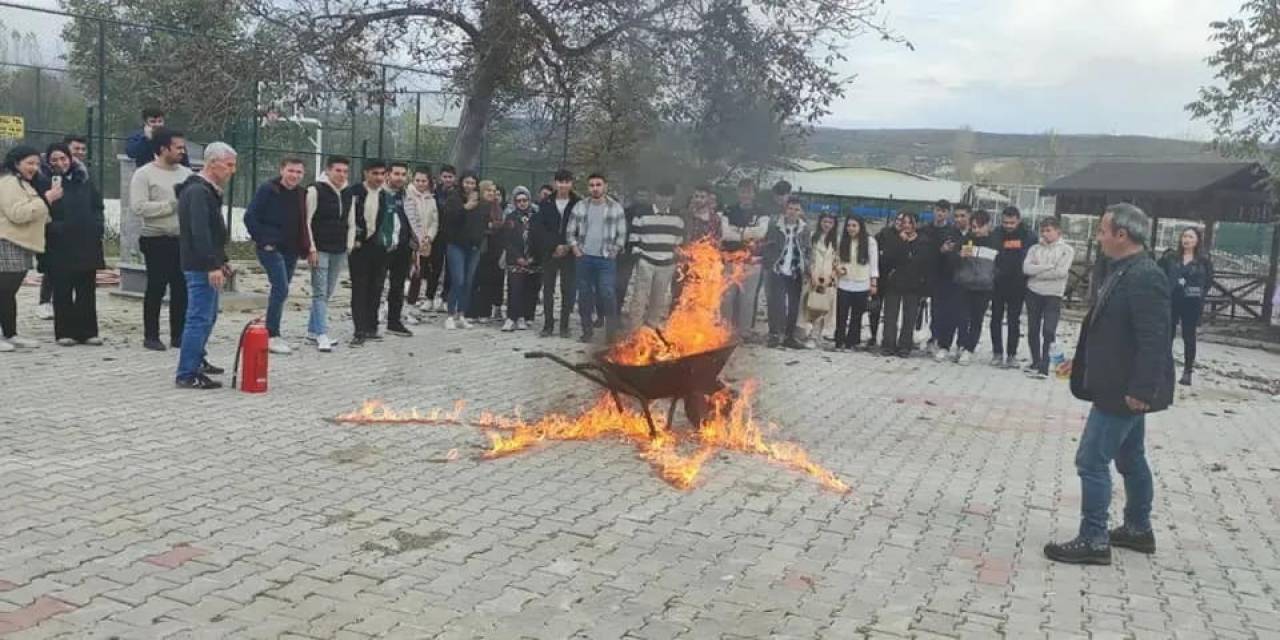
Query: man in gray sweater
x=1047 y=266
x=152 y=198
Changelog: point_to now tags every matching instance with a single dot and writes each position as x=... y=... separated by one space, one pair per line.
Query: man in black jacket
x=906 y=261
x=370 y=243
x=1013 y=239
x=202 y=240
x=1124 y=366
x=548 y=233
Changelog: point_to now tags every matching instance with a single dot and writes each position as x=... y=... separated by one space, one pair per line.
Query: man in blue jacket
x=202 y=240
x=277 y=222
x=140 y=146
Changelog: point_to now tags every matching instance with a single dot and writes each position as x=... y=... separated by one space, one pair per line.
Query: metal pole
x=568 y=117
x=417 y=125
x=351 y=108
x=102 y=103
x=382 y=112
x=253 y=158
x=39 y=120
x=1269 y=291
x=231 y=185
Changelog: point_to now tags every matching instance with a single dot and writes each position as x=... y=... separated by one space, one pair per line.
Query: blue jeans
x=279 y=267
x=202 y=313
x=597 y=277
x=461 y=263
x=1108 y=437
x=324 y=280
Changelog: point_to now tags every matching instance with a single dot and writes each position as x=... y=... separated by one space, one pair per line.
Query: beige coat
x=23 y=214
x=823 y=263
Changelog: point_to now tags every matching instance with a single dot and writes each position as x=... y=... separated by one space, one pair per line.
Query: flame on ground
x=695 y=326
x=676 y=458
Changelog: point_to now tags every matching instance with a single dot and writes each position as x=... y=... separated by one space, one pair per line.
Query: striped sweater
x=655 y=236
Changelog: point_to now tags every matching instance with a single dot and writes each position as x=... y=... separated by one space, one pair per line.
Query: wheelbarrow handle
x=580 y=369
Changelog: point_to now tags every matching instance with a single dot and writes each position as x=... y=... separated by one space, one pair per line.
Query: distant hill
x=990 y=157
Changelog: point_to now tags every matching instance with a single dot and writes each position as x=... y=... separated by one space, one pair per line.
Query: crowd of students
x=418 y=242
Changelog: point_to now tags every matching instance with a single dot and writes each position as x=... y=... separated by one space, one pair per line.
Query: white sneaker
x=278 y=345
x=450 y=324
x=65 y=342
x=965 y=358
x=811 y=344
x=522 y=324
x=464 y=323
x=941 y=355
x=45 y=311
x=508 y=326
x=412 y=318
x=5 y=347
x=24 y=343
x=324 y=343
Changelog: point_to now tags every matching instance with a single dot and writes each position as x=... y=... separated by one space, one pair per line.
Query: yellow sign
x=12 y=127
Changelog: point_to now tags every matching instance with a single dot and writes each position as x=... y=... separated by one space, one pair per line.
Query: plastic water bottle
x=1058 y=361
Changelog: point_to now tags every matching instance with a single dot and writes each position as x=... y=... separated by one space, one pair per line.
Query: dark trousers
x=565 y=270
x=948 y=313
x=368 y=267
x=1006 y=309
x=522 y=295
x=164 y=271
x=626 y=267
x=904 y=307
x=973 y=311
x=876 y=306
x=782 y=294
x=75 y=305
x=415 y=280
x=435 y=272
x=46 y=288
x=400 y=262
x=10 y=282
x=1043 y=313
x=1187 y=311
x=850 y=305
x=487 y=291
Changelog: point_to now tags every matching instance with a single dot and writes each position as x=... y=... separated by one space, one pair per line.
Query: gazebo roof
x=1223 y=191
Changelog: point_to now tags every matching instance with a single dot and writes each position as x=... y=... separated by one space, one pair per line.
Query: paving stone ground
x=130 y=509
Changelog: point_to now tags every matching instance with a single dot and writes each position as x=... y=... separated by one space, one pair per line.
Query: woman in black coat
x=1190 y=273
x=73 y=249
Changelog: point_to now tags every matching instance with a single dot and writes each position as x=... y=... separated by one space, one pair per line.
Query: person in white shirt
x=1047 y=267
x=859 y=276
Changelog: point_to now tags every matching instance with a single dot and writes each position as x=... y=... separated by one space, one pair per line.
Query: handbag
x=819 y=299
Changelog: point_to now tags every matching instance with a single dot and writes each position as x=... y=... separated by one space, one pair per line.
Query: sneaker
x=5 y=347
x=509 y=326
x=1078 y=551
x=465 y=324
x=587 y=337
x=811 y=344
x=1134 y=540
x=312 y=338
x=477 y=320
x=965 y=358
x=278 y=345
x=412 y=318
x=522 y=325
x=564 y=333
x=65 y=342
x=357 y=340
x=792 y=343
x=24 y=343
x=997 y=361
x=198 y=381
x=1038 y=375
x=376 y=335
x=176 y=343
x=1185 y=380
x=1011 y=362
x=207 y=368
x=324 y=343
x=546 y=332
x=399 y=330
x=773 y=342
x=153 y=344
x=450 y=324
x=942 y=355
x=45 y=311
x=95 y=341
x=904 y=353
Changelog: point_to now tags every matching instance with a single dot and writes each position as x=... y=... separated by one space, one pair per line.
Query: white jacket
x=1047 y=267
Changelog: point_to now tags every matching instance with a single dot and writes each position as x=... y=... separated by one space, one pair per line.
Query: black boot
x=1078 y=551
x=1186 y=378
x=1130 y=538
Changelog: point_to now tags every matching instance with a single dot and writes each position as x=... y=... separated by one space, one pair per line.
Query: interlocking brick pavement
x=135 y=510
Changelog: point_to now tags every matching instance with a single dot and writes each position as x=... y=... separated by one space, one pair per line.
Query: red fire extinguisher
x=251 y=358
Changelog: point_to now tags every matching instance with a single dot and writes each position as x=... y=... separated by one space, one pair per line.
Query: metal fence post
x=564 y=150
x=382 y=112
x=253 y=162
x=102 y=103
x=417 y=125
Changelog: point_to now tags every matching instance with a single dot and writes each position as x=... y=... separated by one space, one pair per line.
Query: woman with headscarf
x=73 y=251
x=524 y=272
x=24 y=212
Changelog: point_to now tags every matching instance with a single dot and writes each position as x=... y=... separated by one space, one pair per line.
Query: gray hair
x=218 y=151
x=1132 y=220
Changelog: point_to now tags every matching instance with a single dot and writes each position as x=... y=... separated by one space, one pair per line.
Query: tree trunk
x=493 y=49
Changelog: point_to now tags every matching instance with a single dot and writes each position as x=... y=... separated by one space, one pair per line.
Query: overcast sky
x=1076 y=66
x=1019 y=66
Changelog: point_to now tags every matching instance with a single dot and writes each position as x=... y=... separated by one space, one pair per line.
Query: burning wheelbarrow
x=689 y=378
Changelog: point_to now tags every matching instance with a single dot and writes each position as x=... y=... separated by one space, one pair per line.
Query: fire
x=695 y=325
x=676 y=457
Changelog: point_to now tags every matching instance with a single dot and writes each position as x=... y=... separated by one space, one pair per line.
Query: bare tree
x=782 y=51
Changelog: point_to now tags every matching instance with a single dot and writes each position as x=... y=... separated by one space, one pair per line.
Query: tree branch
x=557 y=41
x=359 y=21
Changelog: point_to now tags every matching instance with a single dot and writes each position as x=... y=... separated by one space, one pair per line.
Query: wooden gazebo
x=1206 y=192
